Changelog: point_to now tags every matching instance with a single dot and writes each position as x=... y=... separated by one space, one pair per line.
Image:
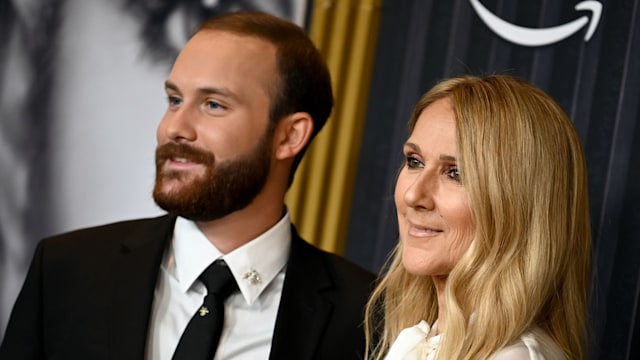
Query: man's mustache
x=173 y=150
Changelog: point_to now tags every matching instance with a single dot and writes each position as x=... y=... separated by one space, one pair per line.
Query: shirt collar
x=254 y=265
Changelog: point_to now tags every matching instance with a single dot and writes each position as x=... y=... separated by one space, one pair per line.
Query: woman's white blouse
x=412 y=344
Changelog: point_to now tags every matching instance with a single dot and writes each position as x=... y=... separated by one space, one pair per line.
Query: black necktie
x=199 y=340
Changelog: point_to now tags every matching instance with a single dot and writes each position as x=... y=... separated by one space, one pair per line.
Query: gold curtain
x=319 y=200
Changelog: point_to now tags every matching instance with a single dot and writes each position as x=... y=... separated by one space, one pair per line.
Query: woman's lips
x=423 y=231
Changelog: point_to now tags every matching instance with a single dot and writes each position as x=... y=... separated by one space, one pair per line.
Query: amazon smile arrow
x=539 y=37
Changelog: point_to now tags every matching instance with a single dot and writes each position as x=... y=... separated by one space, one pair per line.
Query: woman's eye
x=454 y=174
x=413 y=163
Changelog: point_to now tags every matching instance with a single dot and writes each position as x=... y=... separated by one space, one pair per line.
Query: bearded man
x=246 y=95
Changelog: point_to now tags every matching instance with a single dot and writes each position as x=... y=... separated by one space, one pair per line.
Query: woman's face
x=434 y=216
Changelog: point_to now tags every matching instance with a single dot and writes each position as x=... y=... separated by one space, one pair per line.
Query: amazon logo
x=541 y=36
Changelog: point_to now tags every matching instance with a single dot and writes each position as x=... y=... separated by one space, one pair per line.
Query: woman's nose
x=419 y=194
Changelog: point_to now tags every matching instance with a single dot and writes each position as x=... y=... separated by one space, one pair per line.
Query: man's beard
x=225 y=187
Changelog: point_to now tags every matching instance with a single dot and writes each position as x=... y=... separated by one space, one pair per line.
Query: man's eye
x=214 y=105
x=174 y=100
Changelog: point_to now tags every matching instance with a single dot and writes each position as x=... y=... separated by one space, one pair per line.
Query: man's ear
x=292 y=135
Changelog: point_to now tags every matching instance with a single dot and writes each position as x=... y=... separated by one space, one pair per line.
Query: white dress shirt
x=250 y=315
x=414 y=343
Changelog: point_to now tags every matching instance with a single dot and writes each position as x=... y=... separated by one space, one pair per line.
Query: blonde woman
x=494 y=250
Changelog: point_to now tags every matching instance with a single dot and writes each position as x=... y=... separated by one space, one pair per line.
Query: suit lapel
x=302 y=315
x=304 y=309
x=134 y=277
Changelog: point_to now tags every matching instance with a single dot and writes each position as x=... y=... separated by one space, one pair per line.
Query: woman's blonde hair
x=523 y=168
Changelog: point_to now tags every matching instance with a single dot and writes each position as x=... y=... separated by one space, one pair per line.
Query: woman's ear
x=292 y=135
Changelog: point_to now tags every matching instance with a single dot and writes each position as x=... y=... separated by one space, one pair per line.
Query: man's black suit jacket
x=88 y=295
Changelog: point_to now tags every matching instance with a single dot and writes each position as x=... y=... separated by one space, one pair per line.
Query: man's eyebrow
x=170 y=86
x=209 y=90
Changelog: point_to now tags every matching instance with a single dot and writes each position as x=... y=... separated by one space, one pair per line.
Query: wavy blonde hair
x=523 y=167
